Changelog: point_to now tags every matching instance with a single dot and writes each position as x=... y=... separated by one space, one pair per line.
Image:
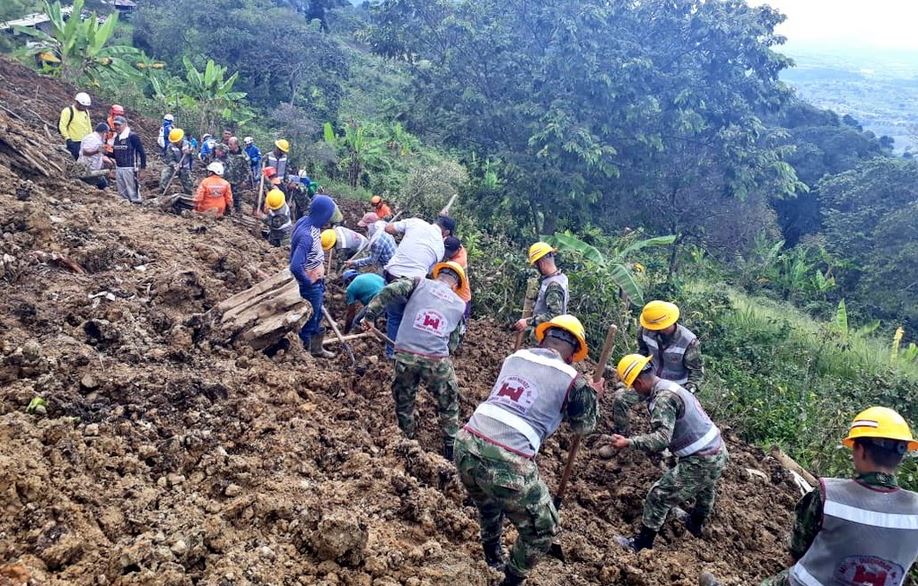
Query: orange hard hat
x=269 y=171
x=117 y=109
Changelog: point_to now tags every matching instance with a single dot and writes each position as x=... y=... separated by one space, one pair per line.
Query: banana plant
x=615 y=265
x=211 y=92
x=362 y=150
x=81 y=46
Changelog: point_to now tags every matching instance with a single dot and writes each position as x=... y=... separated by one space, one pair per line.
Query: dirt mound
x=163 y=458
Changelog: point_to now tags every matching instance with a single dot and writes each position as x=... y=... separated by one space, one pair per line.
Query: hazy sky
x=890 y=24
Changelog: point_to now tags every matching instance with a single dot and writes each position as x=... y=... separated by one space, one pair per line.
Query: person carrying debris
x=130 y=159
x=862 y=530
x=382 y=245
x=679 y=423
x=423 y=343
x=676 y=354
x=277 y=218
x=254 y=155
x=307 y=265
x=74 y=123
x=360 y=287
x=344 y=240
x=177 y=161
x=93 y=165
x=553 y=291
x=421 y=248
x=214 y=193
x=536 y=390
x=381 y=208
x=237 y=169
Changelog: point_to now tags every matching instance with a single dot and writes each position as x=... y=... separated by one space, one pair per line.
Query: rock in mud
x=340 y=537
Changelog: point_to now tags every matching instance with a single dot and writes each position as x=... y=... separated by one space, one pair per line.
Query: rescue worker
x=382 y=245
x=298 y=193
x=553 y=291
x=214 y=192
x=454 y=251
x=237 y=169
x=381 y=208
x=130 y=160
x=277 y=218
x=219 y=154
x=426 y=337
x=278 y=159
x=307 y=265
x=536 y=390
x=862 y=530
x=74 y=123
x=177 y=160
x=447 y=226
x=421 y=248
x=92 y=165
x=344 y=240
x=677 y=423
x=360 y=288
x=676 y=354
x=208 y=142
x=254 y=155
x=162 y=139
x=115 y=110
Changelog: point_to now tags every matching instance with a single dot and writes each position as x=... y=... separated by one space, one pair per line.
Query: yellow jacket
x=74 y=124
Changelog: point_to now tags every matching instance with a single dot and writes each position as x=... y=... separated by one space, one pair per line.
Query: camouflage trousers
x=503 y=484
x=622 y=402
x=782 y=578
x=693 y=477
x=184 y=177
x=439 y=378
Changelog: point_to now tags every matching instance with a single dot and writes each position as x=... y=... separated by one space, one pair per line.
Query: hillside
x=167 y=457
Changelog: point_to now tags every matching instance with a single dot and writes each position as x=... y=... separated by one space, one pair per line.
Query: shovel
x=338 y=335
x=607 y=347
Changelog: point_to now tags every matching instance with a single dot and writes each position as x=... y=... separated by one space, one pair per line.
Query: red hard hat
x=117 y=109
x=268 y=171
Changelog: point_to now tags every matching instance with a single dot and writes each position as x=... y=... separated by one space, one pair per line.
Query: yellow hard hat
x=880 y=423
x=329 y=238
x=630 y=366
x=275 y=200
x=176 y=135
x=282 y=144
x=659 y=315
x=570 y=324
x=538 y=250
x=453 y=266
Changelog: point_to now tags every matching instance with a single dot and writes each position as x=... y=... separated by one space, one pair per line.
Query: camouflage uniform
x=504 y=484
x=299 y=196
x=693 y=476
x=411 y=370
x=809 y=521
x=625 y=399
x=237 y=170
x=172 y=157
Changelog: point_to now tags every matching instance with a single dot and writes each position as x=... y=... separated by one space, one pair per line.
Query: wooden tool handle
x=532 y=287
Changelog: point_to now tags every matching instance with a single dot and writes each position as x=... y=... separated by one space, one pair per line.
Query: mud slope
x=164 y=458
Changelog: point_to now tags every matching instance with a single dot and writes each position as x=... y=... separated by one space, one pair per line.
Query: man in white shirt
x=91 y=163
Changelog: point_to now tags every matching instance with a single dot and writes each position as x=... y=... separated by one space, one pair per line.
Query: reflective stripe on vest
x=432 y=313
x=511 y=420
x=540 y=306
x=867 y=537
x=698 y=443
x=694 y=431
x=669 y=363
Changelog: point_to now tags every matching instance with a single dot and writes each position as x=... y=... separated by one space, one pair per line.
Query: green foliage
x=83 y=48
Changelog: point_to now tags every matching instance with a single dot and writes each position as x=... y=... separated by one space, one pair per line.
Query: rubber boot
x=494 y=554
x=448 y=449
x=511 y=579
x=643 y=540
x=315 y=345
x=695 y=523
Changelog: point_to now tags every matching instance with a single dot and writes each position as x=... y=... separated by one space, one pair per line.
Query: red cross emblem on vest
x=513 y=392
x=431 y=322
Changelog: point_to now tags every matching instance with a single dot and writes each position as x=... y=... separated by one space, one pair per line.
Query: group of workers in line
x=848 y=531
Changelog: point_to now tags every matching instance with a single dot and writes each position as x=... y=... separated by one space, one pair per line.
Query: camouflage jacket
x=809 y=512
x=581 y=410
x=554 y=301
x=399 y=291
x=237 y=167
x=691 y=360
x=666 y=409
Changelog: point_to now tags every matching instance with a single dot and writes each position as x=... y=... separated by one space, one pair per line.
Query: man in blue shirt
x=363 y=288
x=254 y=155
x=307 y=265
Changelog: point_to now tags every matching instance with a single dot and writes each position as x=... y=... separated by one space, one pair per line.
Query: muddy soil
x=163 y=458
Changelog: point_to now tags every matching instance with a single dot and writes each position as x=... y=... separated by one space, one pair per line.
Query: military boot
x=494 y=554
x=448 y=449
x=315 y=345
x=511 y=579
x=695 y=523
x=643 y=540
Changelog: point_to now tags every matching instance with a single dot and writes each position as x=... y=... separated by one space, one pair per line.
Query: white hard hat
x=169 y=117
x=216 y=167
x=248 y=140
x=83 y=99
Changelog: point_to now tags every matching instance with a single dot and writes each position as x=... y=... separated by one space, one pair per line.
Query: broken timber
x=262 y=314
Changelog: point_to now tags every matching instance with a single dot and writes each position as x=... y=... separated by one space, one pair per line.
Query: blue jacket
x=254 y=155
x=305 y=249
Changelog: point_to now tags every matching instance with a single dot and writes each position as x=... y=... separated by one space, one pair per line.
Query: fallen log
x=794 y=467
x=262 y=314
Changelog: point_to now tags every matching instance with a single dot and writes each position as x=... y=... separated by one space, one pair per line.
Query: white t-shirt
x=92 y=142
x=420 y=249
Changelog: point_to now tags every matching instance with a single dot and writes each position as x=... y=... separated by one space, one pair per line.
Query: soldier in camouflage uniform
x=536 y=389
x=177 y=158
x=680 y=424
x=237 y=170
x=676 y=356
x=428 y=334
x=553 y=290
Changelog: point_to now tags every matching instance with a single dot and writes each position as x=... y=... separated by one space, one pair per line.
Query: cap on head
x=447 y=223
x=329 y=239
x=83 y=99
x=117 y=109
x=216 y=167
x=367 y=219
x=169 y=117
x=452 y=267
x=571 y=325
x=880 y=423
x=119 y=120
x=275 y=199
x=538 y=251
x=282 y=144
x=659 y=315
x=176 y=135
x=630 y=366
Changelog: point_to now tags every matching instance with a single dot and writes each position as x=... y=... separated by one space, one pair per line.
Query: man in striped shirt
x=307 y=265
